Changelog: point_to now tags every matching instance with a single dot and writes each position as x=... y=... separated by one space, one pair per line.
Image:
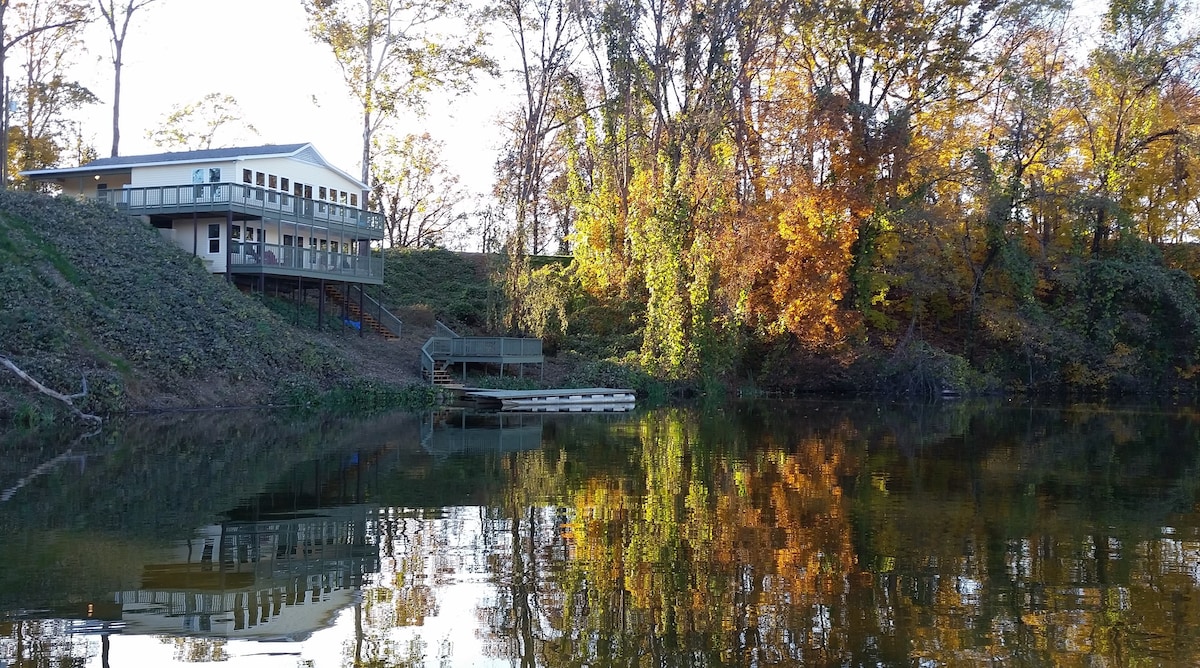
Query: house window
x=260 y=179
x=284 y=184
x=214 y=238
x=298 y=191
x=272 y=181
x=353 y=199
x=214 y=174
x=321 y=192
x=247 y=176
x=342 y=197
x=198 y=178
x=308 y=192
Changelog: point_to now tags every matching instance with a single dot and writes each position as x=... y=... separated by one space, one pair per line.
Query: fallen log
x=68 y=399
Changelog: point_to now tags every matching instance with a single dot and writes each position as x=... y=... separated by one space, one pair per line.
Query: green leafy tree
x=419 y=197
x=196 y=125
x=44 y=36
x=394 y=53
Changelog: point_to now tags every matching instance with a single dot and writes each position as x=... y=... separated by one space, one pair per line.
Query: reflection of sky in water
x=458 y=578
x=454 y=627
x=815 y=545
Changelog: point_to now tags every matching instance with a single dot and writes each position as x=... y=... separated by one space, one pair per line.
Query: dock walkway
x=570 y=399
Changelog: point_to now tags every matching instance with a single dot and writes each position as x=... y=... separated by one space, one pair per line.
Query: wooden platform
x=571 y=399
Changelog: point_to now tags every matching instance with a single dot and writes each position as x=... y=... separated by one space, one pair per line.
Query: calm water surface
x=767 y=533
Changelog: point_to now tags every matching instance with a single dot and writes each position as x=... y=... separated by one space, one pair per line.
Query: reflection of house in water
x=281 y=577
x=458 y=432
x=280 y=567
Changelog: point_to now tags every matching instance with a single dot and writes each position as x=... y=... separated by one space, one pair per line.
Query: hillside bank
x=88 y=293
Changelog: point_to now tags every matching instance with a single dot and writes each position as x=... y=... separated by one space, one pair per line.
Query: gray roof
x=124 y=163
x=193 y=156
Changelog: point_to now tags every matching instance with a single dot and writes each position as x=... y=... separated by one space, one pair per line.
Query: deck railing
x=488 y=349
x=297 y=261
x=242 y=197
x=494 y=347
x=436 y=348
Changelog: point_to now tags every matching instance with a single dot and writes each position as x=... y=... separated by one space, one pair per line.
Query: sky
x=288 y=86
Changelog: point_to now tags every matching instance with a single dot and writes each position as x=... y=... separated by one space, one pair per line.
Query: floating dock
x=573 y=400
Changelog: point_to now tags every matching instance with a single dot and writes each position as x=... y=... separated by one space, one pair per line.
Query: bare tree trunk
x=116 y=126
x=118 y=26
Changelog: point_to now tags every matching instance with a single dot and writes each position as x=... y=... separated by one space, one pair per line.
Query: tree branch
x=33 y=31
x=69 y=400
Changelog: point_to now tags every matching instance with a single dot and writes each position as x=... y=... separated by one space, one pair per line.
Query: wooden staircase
x=355 y=313
x=441 y=375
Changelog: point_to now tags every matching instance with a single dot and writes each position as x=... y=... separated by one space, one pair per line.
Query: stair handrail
x=445 y=331
x=435 y=344
x=385 y=318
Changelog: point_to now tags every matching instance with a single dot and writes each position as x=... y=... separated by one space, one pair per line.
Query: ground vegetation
x=93 y=294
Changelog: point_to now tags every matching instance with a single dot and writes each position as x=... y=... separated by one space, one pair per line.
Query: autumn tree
x=1141 y=96
x=652 y=173
x=46 y=33
x=832 y=174
x=1014 y=146
x=117 y=16
x=419 y=197
x=196 y=125
x=394 y=53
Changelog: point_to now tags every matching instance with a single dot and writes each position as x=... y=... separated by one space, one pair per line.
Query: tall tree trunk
x=116 y=119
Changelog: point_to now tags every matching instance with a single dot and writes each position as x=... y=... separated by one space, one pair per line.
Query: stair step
x=440 y=377
x=365 y=319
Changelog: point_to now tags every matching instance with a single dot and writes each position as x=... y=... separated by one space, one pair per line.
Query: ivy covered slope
x=86 y=292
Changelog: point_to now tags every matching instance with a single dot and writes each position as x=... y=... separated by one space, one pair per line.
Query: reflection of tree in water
x=1003 y=537
x=417 y=555
x=682 y=557
x=38 y=643
x=198 y=650
x=788 y=534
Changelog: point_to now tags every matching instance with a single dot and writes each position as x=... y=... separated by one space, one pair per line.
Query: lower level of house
x=240 y=244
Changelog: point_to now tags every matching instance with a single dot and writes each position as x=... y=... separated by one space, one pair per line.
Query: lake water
x=761 y=533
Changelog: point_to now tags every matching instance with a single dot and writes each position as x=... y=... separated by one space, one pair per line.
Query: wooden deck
x=441 y=353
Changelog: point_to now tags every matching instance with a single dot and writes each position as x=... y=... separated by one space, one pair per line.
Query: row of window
x=258 y=234
x=283 y=184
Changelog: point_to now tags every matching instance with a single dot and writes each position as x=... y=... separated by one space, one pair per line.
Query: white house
x=274 y=217
x=275 y=212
